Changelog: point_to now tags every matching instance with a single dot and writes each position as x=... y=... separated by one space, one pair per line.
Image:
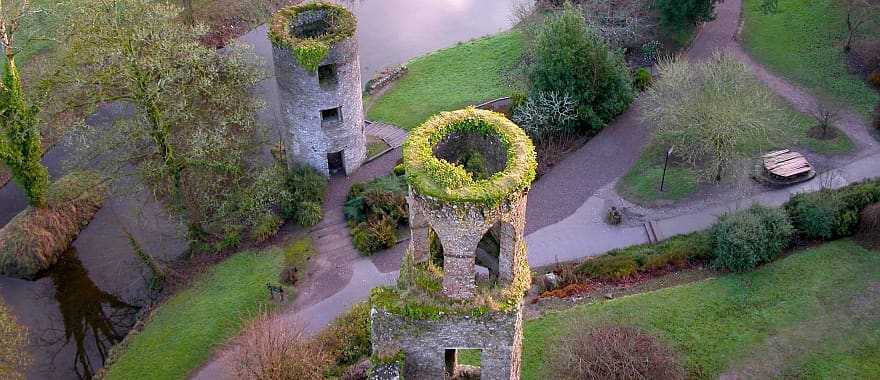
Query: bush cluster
x=743 y=240
x=374 y=210
x=348 y=337
x=620 y=264
x=611 y=352
x=270 y=350
x=831 y=214
x=571 y=59
x=677 y=15
x=642 y=79
x=306 y=188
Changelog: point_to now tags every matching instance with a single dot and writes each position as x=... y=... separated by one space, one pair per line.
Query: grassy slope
x=719 y=323
x=185 y=331
x=449 y=79
x=641 y=183
x=802 y=41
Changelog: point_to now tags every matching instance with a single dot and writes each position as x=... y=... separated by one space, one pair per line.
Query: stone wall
x=302 y=99
x=460 y=227
x=424 y=342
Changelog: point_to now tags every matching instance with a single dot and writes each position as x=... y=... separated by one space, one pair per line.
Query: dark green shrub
x=677 y=15
x=609 y=267
x=305 y=186
x=743 y=240
x=877 y=118
x=231 y=237
x=571 y=59
x=399 y=170
x=375 y=235
x=831 y=214
x=642 y=79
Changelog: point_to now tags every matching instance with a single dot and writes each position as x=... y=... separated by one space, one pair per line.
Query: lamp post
x=665 y=165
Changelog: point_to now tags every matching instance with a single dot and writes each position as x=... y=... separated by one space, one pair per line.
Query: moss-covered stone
x=311 y=50
x=449 y=182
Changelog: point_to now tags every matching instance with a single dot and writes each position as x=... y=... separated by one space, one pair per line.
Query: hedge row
x=742 y=240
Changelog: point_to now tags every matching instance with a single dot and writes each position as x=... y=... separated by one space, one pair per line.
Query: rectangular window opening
x=332 y=115
x=459 y=362
x=327 y=76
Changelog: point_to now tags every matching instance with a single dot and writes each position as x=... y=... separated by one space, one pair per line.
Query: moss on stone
x=440 y=179
x=310 y=51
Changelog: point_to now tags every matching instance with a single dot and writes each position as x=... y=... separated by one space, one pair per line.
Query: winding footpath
x=565 y=219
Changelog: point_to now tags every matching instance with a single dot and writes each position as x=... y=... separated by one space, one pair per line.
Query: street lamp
x=665 y=165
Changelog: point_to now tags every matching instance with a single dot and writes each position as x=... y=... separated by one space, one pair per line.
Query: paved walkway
x=565 y=222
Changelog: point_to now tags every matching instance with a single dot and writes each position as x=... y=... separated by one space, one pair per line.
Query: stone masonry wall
x=424 y=342
x=302 y=99
x=460 y=227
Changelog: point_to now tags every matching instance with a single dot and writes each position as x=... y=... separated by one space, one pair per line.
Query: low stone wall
x=425 y=342
x=384 y=78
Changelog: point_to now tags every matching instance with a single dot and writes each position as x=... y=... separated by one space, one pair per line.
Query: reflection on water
x=93 y=320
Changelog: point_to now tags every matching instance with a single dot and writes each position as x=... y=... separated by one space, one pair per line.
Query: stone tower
x=315 y=53
x=469 y=173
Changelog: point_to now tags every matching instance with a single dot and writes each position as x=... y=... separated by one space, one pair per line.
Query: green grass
x=641 y=184
x=184 y=331
x=803 y=42
x=449 y=79
x=809 y=303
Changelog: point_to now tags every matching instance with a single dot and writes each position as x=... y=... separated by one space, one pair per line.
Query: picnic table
x=786 y=167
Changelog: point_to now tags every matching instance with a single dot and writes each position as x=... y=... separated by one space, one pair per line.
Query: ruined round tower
x=466 y=270
x=315 y=52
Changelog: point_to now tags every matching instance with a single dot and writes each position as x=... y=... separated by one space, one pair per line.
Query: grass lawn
x=641 y=184
x=184 y=332
x=815 y=313
x=803 y=42
x=449 y=79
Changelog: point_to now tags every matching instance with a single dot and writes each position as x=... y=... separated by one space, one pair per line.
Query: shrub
x=374 y=235
x=545 y=114
x=679 y=15
x=742 y=240
x=296 y=257
x=266 y=227
x=874 y=78
x=869 y=225
x=611 y=352
x=642 y=79
x=348 y=337
x=271 y=350
x=306 y=188
x=609 y=267
x=570 y=58
x=309 y=213
x=831 y=214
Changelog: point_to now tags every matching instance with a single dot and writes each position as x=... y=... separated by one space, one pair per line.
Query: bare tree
x=826 y=115
x=858 y=14
x=621 y=24
x=545 y=114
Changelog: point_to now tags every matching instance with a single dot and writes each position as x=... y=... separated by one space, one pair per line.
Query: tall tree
x=193 y=129
x=20 y=143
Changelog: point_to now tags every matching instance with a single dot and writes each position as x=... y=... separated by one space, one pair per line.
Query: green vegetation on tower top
x=334 y=23
x=437 y=178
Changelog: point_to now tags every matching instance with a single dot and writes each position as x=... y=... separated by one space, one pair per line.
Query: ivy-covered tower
x=465 y=273
x=319 y=81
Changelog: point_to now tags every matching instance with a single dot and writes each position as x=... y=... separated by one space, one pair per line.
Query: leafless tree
x=621 y=23
x=545 y=114
x=858 y=14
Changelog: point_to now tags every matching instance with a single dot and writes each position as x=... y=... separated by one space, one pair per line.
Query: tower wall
x=302 y=97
